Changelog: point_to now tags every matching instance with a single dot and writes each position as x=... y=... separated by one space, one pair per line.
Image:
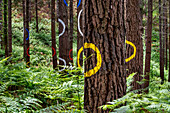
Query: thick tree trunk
x=10 y=27
x=53 y=33
x=64 y=41
x=104 y=27
x=161 y=46
x=71 y=32
x=36 y=10
x=79 y=27
x=148 y=46
x=24 y=22
x=5 y=29
x=27 y=27
x=1 y=25
x=134 y=35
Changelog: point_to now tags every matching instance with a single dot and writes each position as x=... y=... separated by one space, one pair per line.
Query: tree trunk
x=10 y=27
x=64 y=40
x=169 y=43
x=104 y=27
x=134 y=35
x=24 y=30
x=148 y=46
x=27 y=27
x=5 y=29
x=79 y=36
x=36 y=10
x=53 y=33
x=161 y=46
x=1 y=24
x=166 y=37
x=71 y=32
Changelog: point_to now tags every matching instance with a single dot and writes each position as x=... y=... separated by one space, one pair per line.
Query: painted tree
x=71 y=31
x=64 y=40
x=53 y=33
x=79 y=27
x=5 y=29
x=161 y=44
x=148 y=46
x=27 y=27
x=134 y=35
x=9 y=27
x=1 y=26
x=24 y=29
x=104 y=27
x=36 y=11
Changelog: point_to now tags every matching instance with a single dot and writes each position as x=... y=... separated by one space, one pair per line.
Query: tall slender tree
x=64 y=40
x=36 y=11
x=148 y=45
x=134 y=35
x=27 y=34
x=24 y=29
x=161 y=46
x=166 y=37
x=10 y=27
x=53 y=33
x=1 y=26
x=79 y=36
x=104 y=27
x=5 y=29
x=169 y=43
x=71 y=31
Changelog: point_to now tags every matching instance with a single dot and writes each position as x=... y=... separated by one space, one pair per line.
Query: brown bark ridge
x=79 y=36
x=134 y=35
x=5 y=29
x=104 y=27
x=27 y=27
x=166 y=37
x=64 y=39
x=36 y=11
x=169 y=43
x=1 y=25
x=24 y=22
x=71 y=31
x=148 y=46
x=9 y=27
x=161 y=46
x=53 y=33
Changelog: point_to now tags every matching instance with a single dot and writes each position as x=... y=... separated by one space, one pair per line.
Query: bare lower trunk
x=9 y=27
x=5 y=29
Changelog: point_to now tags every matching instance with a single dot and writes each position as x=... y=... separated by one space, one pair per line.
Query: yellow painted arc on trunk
x=134 y=53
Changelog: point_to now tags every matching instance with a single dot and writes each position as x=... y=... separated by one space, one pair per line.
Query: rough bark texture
x=27 y=27
x=1 y=24
x=71 y=31
x=79 y=37
x=10 y=27
x=5 y=29
x=134 y=35
x=161 y=46
x=53 y=33
x=36 y=11
x=104 y=27
x=24 y=22
x=169 y=43
x=148 y=46
x=64 y=39
x=166 y=37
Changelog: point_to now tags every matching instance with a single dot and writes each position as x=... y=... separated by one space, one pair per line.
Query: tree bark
x=27 y=27
x=1 y=25
x=169 y=43
x=79 y=36
x=71 y=31
x=10 y=27
x=64 y=41
x=166 y=37
x=134 y=35
x=53 y=33
x=24 y=30
x=104 y=27
x=161 y=46
x=36 y=10
x=5 y=29
x=148 y=46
